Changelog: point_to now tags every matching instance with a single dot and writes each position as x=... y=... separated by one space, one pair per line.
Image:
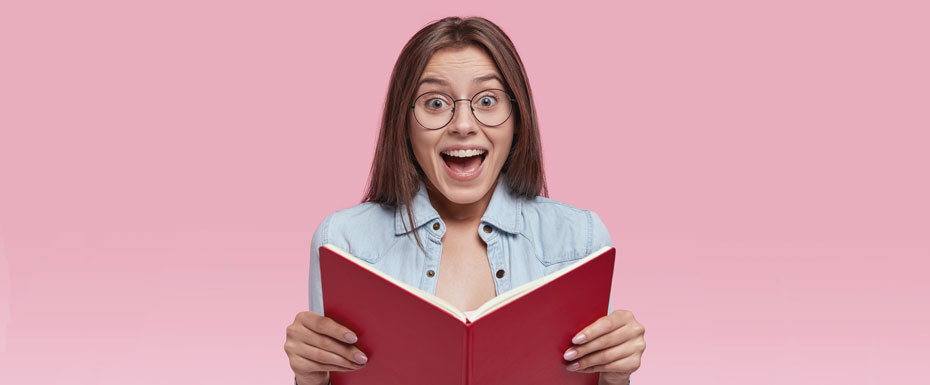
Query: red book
x=412 y=337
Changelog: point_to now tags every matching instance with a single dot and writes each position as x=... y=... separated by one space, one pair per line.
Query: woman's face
x=460 y=176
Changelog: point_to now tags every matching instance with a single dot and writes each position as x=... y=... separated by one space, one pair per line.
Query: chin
x=466 y=195
x=464 y=180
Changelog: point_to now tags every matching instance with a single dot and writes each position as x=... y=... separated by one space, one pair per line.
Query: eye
x=435 y=103
x=487 y=101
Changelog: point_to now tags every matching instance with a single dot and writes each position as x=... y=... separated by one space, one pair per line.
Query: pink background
x=762 y=168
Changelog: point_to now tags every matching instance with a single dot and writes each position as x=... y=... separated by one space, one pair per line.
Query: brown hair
x=395 y=174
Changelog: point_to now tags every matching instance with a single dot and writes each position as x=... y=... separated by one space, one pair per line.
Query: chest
x=464 y=275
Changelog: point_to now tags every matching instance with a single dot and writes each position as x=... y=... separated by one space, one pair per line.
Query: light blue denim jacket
x=526 y=239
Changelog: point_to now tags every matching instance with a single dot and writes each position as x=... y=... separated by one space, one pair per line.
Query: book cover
x=412 y=337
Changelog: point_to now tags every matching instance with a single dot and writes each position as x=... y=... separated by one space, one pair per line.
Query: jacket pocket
x=554 y=256
x=369 y=256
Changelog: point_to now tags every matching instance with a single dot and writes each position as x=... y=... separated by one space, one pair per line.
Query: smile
x=464 y=164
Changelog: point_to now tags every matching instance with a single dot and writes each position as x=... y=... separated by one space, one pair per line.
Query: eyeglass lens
x=434 y=109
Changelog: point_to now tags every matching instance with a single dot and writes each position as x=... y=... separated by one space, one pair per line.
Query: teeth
x=463 y=153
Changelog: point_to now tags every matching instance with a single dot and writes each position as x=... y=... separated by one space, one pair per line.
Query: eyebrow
x=477 y=80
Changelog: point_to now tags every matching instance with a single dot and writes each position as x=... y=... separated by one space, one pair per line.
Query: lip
x=464 y=177
x=462 y=147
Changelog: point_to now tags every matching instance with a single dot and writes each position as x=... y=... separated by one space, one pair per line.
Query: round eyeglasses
x=491 y=107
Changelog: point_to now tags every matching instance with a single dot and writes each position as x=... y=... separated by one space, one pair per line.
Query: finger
x=301 y=364
x=602 y=326
x=322 y=356
x=614 y=337
x=350 y=352
x=610 y=354
x=625 y=365
x=327 y=326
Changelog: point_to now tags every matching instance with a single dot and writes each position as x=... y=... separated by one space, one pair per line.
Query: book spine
x=468 y=354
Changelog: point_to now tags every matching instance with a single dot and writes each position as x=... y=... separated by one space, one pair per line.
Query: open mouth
x=464 y=163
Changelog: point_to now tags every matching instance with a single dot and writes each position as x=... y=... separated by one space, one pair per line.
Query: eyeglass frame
x=470 y=106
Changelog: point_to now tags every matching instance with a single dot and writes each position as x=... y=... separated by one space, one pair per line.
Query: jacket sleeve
x=320 y=238
x=600 y=237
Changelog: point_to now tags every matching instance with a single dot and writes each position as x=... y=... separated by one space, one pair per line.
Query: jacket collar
x=504 y=210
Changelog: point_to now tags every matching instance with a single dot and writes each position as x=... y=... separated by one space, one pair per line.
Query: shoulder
x=361 y=213
x=361 y=229
x=563 y=231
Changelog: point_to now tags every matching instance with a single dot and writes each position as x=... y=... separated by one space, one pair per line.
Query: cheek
x=422 y=148
x=503 y=141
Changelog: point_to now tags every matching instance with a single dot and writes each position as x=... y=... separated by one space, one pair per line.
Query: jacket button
x=436 y=226
x=500 y=273
x=487 y=229
x=430 y=273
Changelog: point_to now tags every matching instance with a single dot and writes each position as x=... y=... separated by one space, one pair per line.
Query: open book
x=412 y=337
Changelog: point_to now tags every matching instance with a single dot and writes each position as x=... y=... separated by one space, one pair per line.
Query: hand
x=613 y=345
x=316 y=345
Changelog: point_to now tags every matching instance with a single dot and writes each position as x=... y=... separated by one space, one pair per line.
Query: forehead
x=459 y=67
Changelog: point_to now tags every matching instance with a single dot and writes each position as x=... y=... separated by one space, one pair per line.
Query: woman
x=458 y=187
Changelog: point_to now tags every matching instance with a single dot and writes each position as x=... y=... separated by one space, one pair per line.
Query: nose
x=463 y=122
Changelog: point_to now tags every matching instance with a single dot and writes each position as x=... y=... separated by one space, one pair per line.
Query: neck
x=458 y=212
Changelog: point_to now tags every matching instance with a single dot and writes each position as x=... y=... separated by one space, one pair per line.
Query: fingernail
x=578 y=339
x=351 y=337
x=571 y=353
x=573 y=367
x=360 y=358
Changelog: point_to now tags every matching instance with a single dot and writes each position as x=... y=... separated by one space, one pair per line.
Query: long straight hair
x=395 y=175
